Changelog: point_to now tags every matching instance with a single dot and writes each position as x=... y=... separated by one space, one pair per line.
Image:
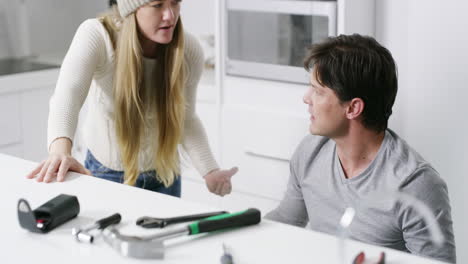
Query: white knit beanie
x=126 y=7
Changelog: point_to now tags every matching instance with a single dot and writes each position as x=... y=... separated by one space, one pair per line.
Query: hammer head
x=82 y=236
x=133 y=247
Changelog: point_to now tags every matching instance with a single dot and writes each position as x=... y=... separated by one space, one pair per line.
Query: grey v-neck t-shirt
x=318 y=194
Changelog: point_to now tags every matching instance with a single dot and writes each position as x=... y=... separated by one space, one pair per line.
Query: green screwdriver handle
x=248 y=217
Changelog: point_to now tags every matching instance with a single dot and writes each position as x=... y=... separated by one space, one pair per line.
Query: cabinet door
x=196 y=191
x=35 y=110
x=261 y=144
x=237 y=201
x=208 y=113
x=10 y=117
x=262 y=94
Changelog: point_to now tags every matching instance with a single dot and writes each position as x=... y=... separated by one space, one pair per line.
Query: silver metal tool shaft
x=144 y=247
x=83 y=235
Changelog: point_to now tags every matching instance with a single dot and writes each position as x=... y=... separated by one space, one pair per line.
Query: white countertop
x=28 y=80
x=267 y=242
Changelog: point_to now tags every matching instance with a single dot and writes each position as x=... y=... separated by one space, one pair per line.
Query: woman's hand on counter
x=59 y=162
x=219 y=181
x=57 y=166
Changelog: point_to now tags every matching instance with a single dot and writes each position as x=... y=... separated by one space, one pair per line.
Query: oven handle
x=265 y=156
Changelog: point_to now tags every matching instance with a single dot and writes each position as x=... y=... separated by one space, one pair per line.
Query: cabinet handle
x=251 y=153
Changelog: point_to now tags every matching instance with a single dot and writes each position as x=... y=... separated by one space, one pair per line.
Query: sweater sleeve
x=195 y=141
x=86 y=52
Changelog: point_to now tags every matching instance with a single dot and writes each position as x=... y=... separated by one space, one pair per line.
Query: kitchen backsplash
x=8 y=29
x=5 y=46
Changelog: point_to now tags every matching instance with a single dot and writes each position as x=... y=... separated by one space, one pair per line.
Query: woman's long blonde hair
x=132 y=104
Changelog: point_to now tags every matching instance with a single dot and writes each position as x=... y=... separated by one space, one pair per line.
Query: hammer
x=82 y=235
x=152 y=247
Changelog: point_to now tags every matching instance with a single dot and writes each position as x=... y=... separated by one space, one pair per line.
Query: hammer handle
x=111 y=220
x=248 y=217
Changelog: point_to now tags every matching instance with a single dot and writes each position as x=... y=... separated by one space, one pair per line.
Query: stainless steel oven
x=268 y=39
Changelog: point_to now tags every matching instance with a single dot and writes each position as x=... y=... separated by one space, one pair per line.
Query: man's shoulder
x=409 y=166
x=419 y=180
x=311 y=146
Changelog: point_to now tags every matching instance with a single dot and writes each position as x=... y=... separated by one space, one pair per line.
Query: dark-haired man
x=353 y=160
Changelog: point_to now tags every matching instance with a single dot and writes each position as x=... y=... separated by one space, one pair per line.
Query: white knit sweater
x=87 y=71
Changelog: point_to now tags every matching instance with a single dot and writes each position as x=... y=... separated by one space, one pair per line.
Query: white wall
x=5 y=46
x=53 y=22
x=11 y=33
x=198 y=16
x=392 y=32
x=429 y=40
x=46 y=26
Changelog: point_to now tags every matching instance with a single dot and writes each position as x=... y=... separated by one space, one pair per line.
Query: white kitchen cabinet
x=24 y=104
x=261 y=143
x=34 y=116
x=238 y=201
x=262 y=94
x=10 y=114
x=195 y=190
x=262 y=122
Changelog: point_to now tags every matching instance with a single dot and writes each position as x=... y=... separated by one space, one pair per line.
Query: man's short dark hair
x=356 y=66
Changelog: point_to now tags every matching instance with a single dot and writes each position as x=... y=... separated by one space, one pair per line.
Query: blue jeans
x=146 y=180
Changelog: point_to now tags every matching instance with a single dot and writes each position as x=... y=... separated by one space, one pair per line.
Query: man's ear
x=355 y=108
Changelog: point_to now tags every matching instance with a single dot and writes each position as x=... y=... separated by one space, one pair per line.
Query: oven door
x=269 y=39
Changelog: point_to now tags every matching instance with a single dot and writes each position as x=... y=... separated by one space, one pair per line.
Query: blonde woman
x=140 y=71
